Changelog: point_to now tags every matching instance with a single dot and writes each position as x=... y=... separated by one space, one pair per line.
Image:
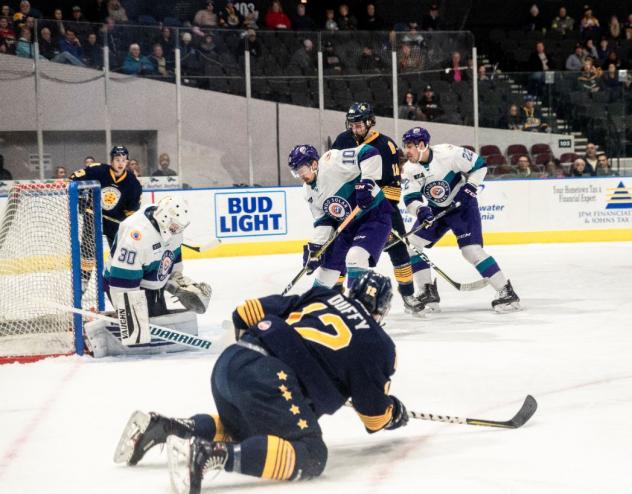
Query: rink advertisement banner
x=250 y=214
x=252 y=221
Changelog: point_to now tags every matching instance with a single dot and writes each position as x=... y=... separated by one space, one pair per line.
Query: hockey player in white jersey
x=334 y=185
x=145 y=261
x=433 y=178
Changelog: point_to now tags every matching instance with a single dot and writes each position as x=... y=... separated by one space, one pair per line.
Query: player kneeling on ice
x=340 y=185
x=296 y=359
x=145 y=261
x=432 y=179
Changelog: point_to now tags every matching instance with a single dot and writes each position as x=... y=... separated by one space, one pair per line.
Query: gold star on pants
x=282 y=376
x=295 y=410
x=302 y=424
x=287 y=395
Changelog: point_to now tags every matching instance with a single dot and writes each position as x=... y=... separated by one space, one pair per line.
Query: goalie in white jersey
x=432 y=179
x=334 y=186
x=145 y=261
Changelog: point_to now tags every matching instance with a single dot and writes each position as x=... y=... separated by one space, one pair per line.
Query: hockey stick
x=526 y=411
x=160 y=332
x=324 y=247
x=462 y=287
x=197 y=248
x=424 y=225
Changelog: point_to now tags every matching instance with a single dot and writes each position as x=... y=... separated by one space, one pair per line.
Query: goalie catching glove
x=194 y=296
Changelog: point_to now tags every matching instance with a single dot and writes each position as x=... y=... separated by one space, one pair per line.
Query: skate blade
x=432 y=307
x=420 y=313
x=504 y=308
x=136 y=425
x=178 y=457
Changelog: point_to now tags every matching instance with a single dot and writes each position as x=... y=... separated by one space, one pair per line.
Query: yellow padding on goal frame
x=490 y=238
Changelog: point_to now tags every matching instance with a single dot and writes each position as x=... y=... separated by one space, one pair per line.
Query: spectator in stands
x=24 y=46
x=116 y=11
x=206 y=17
x=134 y=167
x=589 y=24
x=304 y=58
x=157 y=58
x=57 y=25
x=47 y=47
x=523 y=167
x=589 y=77
x=7 y=34
x=455 y=72
x=563 y=23
x=331 y=61
x=532 y=116
x=371 y=21
x=409 y=109
x=230 y=17
x=251 y=43
x=539 y=62
x=409 y=57
x=346 y=21
x=189 y=57
x=554 y=169
x=165 y=38
x=136 y=63
x=575 y=61
x=164 y=170
x=27 y=11
x=115 y=40
x=603 y=166
x=591 y=157
x=6 y=11
x=88 y=160
x=250 y=11
x=71 y=45
x=613 y=58
x=603 y=50
x=610 y=79
x=512 y=120
x=79 y=24
x=93 y=52
x=301 y=21
x=505 y=170
x=591 y=49
x=482 y=73
x=330 y=21
x=413 y=35
x=429 y=104
x=276 y=18
x=581 y=169
x=3 y=47
x=536 y=22
x=60 y=173
x=4 y=173
x=370 y=62
x=432 y=21
x=614 y=28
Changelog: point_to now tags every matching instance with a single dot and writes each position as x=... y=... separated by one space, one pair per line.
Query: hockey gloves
x=364 y=192
x=400 y=415
x=424 y=213
x=193 y=296
x=309 y=257
x=466 y=194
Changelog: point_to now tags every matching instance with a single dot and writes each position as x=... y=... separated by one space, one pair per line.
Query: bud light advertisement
x=250 y=214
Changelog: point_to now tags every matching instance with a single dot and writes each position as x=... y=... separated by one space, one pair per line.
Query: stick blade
x=525 y=413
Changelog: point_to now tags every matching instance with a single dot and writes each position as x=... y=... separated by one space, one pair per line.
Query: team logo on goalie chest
x=110 y=197
x=437 y=191
x=166 y=265
x=336 y=207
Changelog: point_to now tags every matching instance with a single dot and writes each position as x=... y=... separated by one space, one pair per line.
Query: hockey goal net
x=50 y=255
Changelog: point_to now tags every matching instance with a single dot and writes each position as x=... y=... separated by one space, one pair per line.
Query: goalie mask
x=172 y=216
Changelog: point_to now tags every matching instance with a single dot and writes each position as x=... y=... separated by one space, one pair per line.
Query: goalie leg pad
x=131 y=310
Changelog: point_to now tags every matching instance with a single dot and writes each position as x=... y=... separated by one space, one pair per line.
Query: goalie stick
x=526 y=411
x=160 y=332
x=197 y=248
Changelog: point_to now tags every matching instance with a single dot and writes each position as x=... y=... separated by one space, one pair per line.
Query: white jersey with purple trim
x=140 y=258
x=331 y=196
x=436 y=182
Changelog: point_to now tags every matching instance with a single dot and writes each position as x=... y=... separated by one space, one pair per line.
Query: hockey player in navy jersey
x=432 y=179
x=360 y=120
x=334 y=185
x=296 y=359
x=120 y=190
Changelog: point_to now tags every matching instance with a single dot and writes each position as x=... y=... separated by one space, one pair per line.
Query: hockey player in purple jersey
x=432 y=179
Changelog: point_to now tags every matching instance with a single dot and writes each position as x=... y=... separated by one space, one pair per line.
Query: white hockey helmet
x=172 y=215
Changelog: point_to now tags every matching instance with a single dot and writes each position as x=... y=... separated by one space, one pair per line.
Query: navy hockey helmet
x=361 y=112
x=303 y=154
x=119 y=151
x=416 y=135
x=374 y=291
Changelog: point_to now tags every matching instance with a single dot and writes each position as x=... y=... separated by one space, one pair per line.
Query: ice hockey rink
x=571 y=348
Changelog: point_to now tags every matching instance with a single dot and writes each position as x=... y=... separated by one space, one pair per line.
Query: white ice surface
x=571 y=347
